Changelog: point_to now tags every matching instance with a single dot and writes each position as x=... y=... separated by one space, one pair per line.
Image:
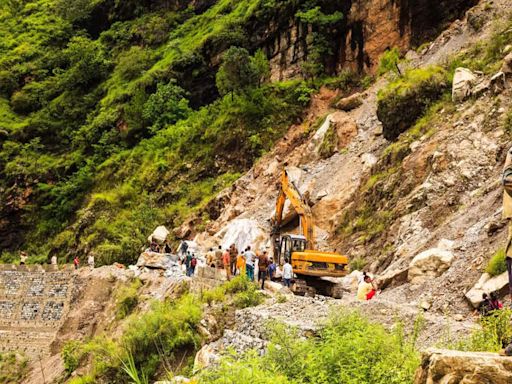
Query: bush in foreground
x=349 y=350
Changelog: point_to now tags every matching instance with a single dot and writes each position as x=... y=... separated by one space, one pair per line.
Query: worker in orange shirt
x=226 y=263
x=240 y=264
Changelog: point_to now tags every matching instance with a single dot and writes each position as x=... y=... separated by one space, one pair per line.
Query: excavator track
x=310 y=286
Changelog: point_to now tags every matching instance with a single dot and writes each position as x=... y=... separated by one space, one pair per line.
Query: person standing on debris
x=218 y=257
x=272 y=269
x=90 y=261
x=53 y=260
x=167 y=247
x=287 y=273
x=233 y=253
x=240 y=264
x=507 y=213
x=210 y=256
x=188 y=260
x=226 y=263
x=23 y=257
x=366 y=289
x=76 y=262
x=249 y=262
x=263 y=263
x=193 y=263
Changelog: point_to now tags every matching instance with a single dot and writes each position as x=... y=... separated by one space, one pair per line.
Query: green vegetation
x=13 y=368
x=148 y=343
x=127 y=298
x=243 y=292
x=349 y=349
x=357 y=264
x=389 y=62
x=407 y=98
x=487 y=55
x=497 y=264
x=112 y=125
x=159 y=340
x=493 y=335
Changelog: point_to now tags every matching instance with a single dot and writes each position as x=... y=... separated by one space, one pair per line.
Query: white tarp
x=243 y=232
x=159 y=234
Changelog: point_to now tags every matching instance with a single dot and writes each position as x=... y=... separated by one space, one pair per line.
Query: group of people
x=190 y=262
x=159 y=248
x=245 y=263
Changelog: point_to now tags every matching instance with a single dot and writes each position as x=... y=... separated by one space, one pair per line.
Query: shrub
x=166 y=106
x=357 y=264
x=404 y=100
x=71 y=355
x=249 y=297
x=497 y=264
x=13 y=368
x=389 y=62
x=132 y=63
x=349 y=350
x=494 y=334
x=127 y=299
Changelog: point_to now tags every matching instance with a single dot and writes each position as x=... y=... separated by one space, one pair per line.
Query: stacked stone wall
x=33 y=303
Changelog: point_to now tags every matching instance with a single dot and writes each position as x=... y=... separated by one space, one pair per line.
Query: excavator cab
x=288 y=244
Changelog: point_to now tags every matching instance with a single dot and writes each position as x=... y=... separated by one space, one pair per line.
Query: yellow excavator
x=313 y=268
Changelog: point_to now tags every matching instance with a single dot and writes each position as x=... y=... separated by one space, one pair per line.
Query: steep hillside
x=407 y=166
x=110 y=116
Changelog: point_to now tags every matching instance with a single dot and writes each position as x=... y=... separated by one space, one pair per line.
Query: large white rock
x=463 y=81
x=486 y=284
x=159 y=234
x=430 y=263
x=243 y=232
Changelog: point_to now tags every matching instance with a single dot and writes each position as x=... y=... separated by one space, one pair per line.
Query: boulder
x=243 y=232
x=345 y=128
x=428 y=264
x=159 y=234
x=440 y=366
x=350 y=102
x=392 y=278
x=486 y=284
x=498 y=82
x=506 y=68
x=463 y=82
x=206 y=357
x=156 y=260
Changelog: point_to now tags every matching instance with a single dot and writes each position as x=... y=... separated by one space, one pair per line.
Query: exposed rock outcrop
x=455 y=367
x=430 y=263
x=463 y=82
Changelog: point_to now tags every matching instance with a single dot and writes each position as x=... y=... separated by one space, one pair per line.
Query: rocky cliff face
x=367 y=30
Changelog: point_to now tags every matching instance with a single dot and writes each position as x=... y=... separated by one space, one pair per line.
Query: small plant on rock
x=497 y=264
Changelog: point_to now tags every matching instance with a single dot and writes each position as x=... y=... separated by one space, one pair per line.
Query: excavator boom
x=307 y=262
x=290 y=191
